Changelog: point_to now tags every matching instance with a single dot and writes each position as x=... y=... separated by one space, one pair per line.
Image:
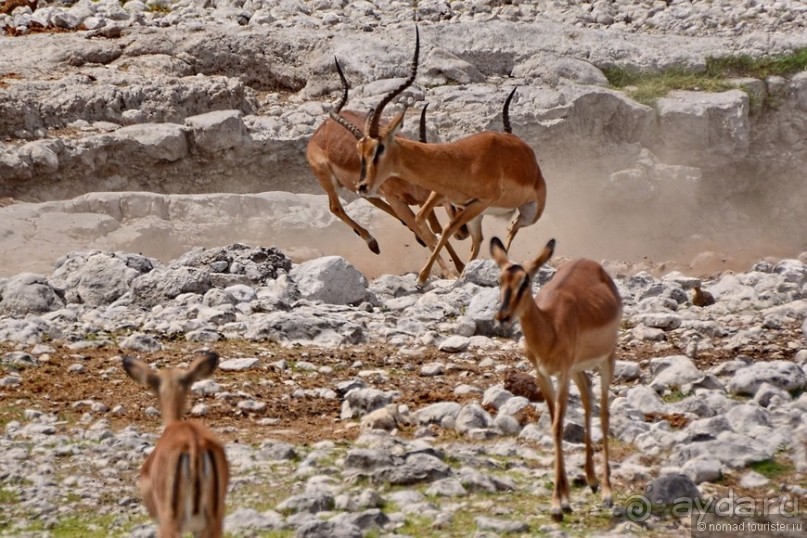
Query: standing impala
x=570 y=327
x=487 y=170
x=331 y=153
x=184 y=480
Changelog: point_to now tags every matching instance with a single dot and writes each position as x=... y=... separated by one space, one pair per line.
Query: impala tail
x=506 y=112
x=197 y=496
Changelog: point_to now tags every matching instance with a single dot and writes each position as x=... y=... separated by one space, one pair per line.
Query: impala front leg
x=145 y=486
x=423 y=234
x=426 y=212
x=606 y=375
x=470 y=211
x=395 y=212
x=560 y=495
x=336 y=208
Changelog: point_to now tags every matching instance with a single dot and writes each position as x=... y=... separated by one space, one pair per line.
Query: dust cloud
x=693 y=233
x=727 y=222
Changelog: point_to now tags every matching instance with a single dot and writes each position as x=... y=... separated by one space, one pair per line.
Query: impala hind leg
x=606 y=376
x=475 y=229
x=169 y=529
x=213 y=531
x=526 y=215
x=584 y=385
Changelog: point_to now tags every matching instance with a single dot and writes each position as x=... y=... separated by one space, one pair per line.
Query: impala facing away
x=184 y=480
x=487 y=170
x=570 y=327
x=331 y=153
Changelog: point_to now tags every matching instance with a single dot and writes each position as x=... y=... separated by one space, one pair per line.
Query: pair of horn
x=373 y=119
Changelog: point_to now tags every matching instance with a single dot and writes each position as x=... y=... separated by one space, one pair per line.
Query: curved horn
x=423 y=124
x=375 y=117
x=334 y=114
x=345 y=86
x=506 y=112
x=355 y=131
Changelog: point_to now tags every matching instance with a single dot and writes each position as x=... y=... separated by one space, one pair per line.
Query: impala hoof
x=463 y=233
x=607 y=502
x=557 y=515
x=594 y=487
x=373 y=245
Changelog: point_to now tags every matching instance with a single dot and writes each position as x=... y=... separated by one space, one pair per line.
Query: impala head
x=171 y=385
x=373 y=142
x=516 y=280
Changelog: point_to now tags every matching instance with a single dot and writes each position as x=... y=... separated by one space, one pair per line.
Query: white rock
x=454 y=344
x=237 y=365
x=331 y=279
x=783 y=374
x=753 y=479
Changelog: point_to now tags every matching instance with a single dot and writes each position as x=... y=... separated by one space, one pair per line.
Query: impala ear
x=140 y=372
x=395 y=125
x=498 y=252
x=205 y=364
x=533 y=266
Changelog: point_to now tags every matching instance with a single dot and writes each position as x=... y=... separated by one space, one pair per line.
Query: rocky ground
x=352 y=402
x=373 y=408
x=195 y=98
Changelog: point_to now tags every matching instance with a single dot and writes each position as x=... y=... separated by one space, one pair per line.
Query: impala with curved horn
x=487 y=170
x=184 y=480
x=571 y=326
x=331 y=153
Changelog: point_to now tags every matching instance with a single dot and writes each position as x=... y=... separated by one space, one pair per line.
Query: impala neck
x=425 y=165
x=539 y=332
x=171 y=409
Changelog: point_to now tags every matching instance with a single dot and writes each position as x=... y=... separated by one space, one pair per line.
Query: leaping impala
x=184 y=480
x=484 y=170
x=570 y=327
x=331 y=153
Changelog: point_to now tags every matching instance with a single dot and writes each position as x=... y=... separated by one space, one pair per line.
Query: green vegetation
x=8 y=497
x=746 y=66
x=11 y=412
x=158 y=8
x=84 y=526
x=675 y=395
x=646 y=87
x=772 y=468
x=260 y=495
x=277 y=534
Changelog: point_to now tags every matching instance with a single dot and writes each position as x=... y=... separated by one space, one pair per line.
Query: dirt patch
x=290 y=414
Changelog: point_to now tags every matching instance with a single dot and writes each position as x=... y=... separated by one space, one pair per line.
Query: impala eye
x=378 y=151
x=523 y=286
